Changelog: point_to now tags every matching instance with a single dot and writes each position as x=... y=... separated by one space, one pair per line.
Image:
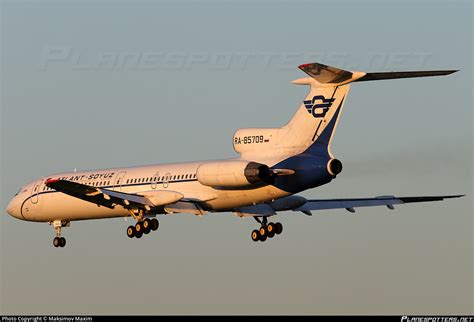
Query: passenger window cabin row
x=93 y=184
x=138 y=180
x=162 y=178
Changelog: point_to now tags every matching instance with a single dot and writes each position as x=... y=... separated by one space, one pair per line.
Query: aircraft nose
x=13 y=209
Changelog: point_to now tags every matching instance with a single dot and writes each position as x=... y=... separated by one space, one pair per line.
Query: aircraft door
x=118 y=181
x=35 y=191
x=154 y=181
x=166 y=180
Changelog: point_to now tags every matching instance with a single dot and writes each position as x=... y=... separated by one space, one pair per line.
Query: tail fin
x=313 y=126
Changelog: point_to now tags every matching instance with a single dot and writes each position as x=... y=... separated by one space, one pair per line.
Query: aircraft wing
x=110 y=198
x=271 y=209
x=350 y=204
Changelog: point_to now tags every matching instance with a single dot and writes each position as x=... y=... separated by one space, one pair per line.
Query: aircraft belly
x=229 y=199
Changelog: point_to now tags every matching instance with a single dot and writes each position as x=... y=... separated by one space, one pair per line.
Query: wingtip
x=454 y=196
x=428 y=198
x=452 y=71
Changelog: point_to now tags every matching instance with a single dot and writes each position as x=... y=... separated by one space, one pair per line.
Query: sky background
x=97 y=84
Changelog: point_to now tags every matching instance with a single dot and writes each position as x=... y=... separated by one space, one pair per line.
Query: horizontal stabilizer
x=394 y=75
x=329 y=75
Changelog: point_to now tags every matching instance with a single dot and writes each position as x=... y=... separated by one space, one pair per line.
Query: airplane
x=274 y=164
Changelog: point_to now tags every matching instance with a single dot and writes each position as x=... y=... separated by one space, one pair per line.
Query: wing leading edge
x=100 y=196
x=145 y=200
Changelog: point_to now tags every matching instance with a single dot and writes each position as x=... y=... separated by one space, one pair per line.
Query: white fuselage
x=36 y=202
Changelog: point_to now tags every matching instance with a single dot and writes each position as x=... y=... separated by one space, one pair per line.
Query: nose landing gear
x=59 y=241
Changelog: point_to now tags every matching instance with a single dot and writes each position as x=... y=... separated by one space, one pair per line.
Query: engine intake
x=334 y=167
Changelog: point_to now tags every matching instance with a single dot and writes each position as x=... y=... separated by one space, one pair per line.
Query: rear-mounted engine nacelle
x=233 y=174
x=334 y=167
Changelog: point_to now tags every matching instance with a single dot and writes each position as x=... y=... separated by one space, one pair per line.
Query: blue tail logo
x=320 y=109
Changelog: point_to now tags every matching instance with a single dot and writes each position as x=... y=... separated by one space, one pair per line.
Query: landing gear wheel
x=131 y=231
x=278 y=228
x=255 y=235
x=138 y=229
x=62 y=241
x=262 y=232
x=271 y=230
x=146 y=226
x=154 y=224
x=57 y=242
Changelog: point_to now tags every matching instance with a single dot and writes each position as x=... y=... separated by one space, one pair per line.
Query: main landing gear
x=143 y=227
x=59 y=241
x=266 y=230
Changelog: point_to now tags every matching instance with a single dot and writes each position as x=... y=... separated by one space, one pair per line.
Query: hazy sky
x=96 y=84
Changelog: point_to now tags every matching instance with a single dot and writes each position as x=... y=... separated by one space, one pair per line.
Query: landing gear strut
x=59 y=241
x=143 y=227
x=266 y=230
